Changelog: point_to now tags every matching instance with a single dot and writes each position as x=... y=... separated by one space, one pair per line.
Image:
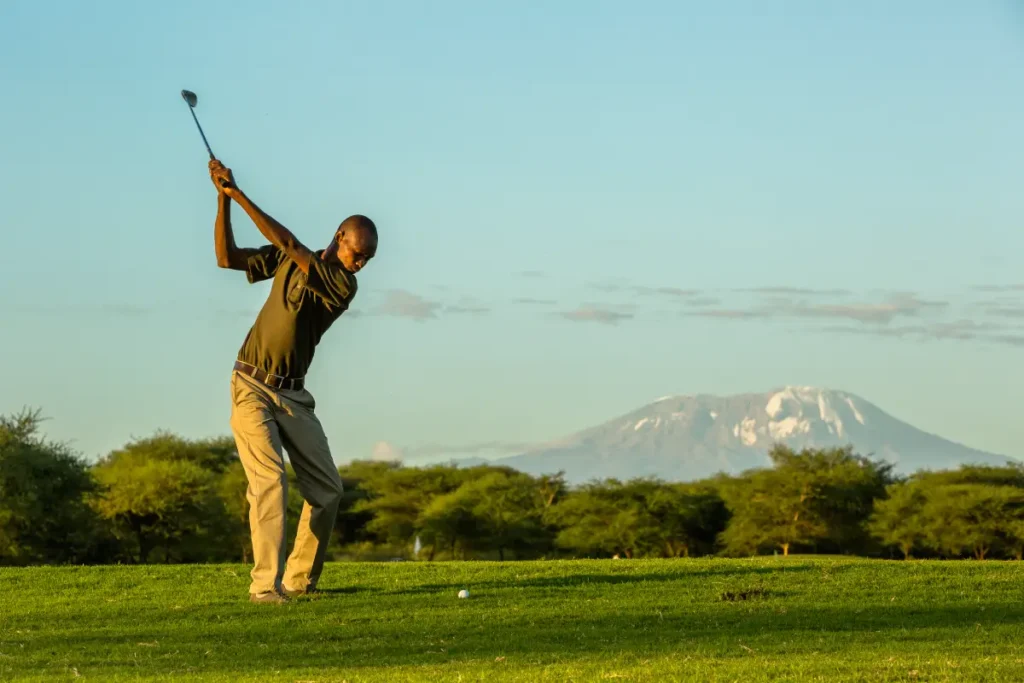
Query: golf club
x=192 y=100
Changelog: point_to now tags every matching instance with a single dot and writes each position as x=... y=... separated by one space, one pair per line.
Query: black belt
x=275 y=381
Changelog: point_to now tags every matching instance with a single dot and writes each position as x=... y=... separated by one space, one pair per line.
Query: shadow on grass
x=293 y=638
x=580 y=580
x=345 y=590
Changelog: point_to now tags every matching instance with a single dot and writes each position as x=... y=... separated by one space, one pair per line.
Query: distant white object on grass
x=463 y=593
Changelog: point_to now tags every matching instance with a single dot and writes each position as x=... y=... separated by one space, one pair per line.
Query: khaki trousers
x=264 y=420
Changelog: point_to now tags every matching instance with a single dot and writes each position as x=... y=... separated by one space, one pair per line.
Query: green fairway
x=647 y=620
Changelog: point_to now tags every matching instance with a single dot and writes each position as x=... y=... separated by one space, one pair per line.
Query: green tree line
x=167 y=499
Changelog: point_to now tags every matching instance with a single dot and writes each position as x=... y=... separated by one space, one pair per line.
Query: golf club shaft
x=201 y=132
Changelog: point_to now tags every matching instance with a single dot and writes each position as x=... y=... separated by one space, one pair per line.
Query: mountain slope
x=690 y=437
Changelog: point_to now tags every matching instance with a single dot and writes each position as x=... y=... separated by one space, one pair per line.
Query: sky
x=582 y=206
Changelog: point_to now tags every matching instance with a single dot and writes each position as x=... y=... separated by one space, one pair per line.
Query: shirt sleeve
x=263 y=263
x=331 y=282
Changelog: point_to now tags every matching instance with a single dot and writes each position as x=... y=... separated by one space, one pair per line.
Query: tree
x=43 y=516
x=773 y=507
x=1015 y=537
x=976 y=510
x=448 y=519
x=851 y=486
x=164 y=493
x=808 y=497
x=897 y=520
x=553 y=488
x=604 y=518
x=396 y=496
x=508 y=507
x=972 y=518
x=354 y=515
x=688 y=517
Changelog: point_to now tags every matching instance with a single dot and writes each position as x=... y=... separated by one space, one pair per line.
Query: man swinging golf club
x=271 y=409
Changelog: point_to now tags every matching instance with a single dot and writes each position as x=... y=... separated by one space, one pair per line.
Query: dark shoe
x=269 y=597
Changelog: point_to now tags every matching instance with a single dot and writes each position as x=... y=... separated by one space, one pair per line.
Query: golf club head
x=190 y=97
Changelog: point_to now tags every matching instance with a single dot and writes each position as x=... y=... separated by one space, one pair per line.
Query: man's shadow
x=347 y=590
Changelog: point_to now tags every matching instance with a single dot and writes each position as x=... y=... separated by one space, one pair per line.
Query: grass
x=798 y=618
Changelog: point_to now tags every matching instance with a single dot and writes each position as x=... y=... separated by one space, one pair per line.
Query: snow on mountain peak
x=791 y=410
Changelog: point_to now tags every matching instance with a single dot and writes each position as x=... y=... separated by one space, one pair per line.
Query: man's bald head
x=358 y=224
x=355 y=242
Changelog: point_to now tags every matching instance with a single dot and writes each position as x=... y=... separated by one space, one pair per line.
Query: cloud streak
x=643 y=290
x=467 y=309
x=898 y=305
x=999 y=288
x=1003 y=311
x=595 y=314
x=793 y=291
x=958 y=330
x=401 y=303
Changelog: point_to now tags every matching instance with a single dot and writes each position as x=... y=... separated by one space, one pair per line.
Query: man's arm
x=228 y=254
x=279 y=236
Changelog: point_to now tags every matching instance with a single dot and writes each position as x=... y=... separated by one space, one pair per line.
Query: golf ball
x=463 y=593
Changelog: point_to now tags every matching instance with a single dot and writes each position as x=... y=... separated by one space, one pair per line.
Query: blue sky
x=583 y=206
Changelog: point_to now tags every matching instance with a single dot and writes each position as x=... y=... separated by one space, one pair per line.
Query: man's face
x=355 y=248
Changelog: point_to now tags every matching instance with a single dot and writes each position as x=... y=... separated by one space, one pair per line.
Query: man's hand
x=222 y=177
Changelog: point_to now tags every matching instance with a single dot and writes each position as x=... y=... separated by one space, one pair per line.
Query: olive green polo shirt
x=297 y=312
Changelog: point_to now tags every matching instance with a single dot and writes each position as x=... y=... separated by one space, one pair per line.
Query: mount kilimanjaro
x=683 y=438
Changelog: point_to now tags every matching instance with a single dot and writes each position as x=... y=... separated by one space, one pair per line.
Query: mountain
x=681 y=438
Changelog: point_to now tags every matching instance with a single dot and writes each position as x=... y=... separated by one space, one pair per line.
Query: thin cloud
x=1004 y=311
x=531 y=273
x=697 y=301
x=535 y=302
x=899 y=304
x=468 y=305
x=730 y=313
x=676 y=292
x=1010 y=339
x=404 y=304
x=595 y=314
x=467 y=310
x=865 y=313
x=999 y=288
x=609 y=287
x=794 y=291
x=401 y=303
x=959 y=330
x=643 y=290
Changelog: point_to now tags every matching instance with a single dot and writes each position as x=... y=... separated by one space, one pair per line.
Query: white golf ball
x=463 y=593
